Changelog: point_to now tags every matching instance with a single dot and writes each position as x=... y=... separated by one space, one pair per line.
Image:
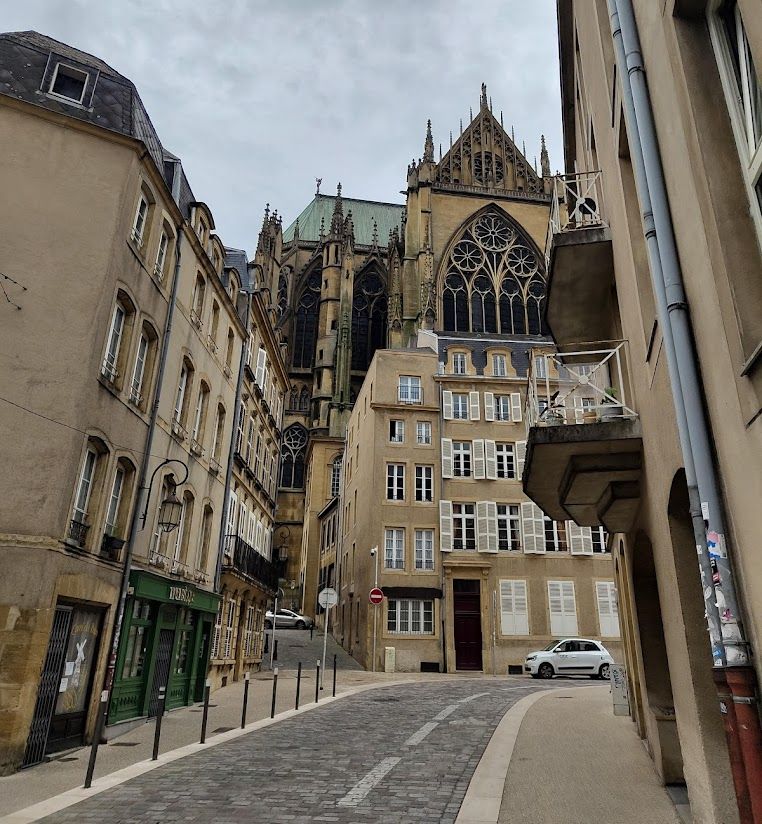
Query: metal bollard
x=312 y=629
x=317 y=683
x=334 y=675
x=245 y=699
x=102 y=708
x=267 y=644
x=157 y=732
x=205 y=716
x=298 y=683
x=275 y=689
x=275 y=650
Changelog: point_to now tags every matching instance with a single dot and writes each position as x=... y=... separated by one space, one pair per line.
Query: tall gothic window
x=368 y=319
x=283 y=290
x=293 y=452
x=305 y=323
x=494 y=281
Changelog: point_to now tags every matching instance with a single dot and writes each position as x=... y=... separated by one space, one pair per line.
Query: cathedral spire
x=483 y=101
x=337 y=221
x=544 y=158
x=428 y=146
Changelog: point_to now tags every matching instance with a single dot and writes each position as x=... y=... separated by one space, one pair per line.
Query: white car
x=571 y=656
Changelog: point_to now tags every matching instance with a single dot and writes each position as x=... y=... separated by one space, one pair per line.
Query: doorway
x=161 y=671
x=467 y=629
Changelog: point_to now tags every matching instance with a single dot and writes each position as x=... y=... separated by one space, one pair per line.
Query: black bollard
x=267 y=644
x=275 y=650
x=102 y=709
x=312 y=629
x=205 y=716
x=298 y=683
x=275 y=689
x=317 y=683
x=334 y=675
x=245 y=699
x=157 y=733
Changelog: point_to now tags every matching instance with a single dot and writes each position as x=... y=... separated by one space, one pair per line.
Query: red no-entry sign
x=376 y=596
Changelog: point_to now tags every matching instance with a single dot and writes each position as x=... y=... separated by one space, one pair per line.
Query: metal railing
x=410 y=394
x=580 y=384
x=242 y=557
x=575 y=204
x=78 y=532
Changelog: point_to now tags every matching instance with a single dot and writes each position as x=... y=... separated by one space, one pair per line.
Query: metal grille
x=161 y=673
x=48 y=691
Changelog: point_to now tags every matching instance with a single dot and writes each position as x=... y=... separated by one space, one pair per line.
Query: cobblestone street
x=396 y=754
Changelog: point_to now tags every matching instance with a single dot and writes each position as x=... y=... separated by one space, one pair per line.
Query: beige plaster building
x=655 y=243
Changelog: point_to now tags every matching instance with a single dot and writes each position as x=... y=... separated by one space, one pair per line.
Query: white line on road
x=366 y=784
x=472 y=697
x=446 y=711
x=418 y=736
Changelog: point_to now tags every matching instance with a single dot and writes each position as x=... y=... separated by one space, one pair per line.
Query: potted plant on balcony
x=610 y=406
x=555 y=416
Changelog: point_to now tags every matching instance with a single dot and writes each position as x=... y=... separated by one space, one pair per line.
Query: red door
x=468 y=625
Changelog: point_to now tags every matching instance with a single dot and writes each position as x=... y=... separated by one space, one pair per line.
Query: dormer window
x=69 y=83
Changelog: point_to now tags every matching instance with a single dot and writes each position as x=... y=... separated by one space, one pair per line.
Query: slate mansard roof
x=28 y=62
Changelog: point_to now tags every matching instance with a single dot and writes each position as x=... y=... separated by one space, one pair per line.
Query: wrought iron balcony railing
x=581 y=384
x=78 y=532
x=242 y=557
x=576 y=204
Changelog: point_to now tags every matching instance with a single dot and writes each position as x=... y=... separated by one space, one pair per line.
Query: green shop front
x=165 y=642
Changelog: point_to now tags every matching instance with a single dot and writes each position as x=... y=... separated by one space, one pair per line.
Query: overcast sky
x=260 y=98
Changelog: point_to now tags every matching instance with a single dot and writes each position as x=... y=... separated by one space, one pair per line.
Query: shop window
x=143 y=616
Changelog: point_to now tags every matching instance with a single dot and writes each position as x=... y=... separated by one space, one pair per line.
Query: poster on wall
x=81 y=653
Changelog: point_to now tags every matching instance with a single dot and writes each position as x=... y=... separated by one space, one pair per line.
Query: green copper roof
x=364 y=212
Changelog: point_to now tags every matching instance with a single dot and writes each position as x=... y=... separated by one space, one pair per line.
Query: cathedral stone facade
x=464 y=254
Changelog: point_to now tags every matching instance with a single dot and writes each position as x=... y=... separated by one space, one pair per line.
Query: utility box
x=390 y=659
x=619 y=692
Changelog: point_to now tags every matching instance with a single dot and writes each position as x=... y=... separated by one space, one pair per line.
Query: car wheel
x=301 y=625
x=604 y=672
x=545 y=671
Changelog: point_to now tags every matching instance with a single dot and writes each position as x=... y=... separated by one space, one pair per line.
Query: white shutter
x=479 y=460
x=243 y=519
x=533 y=527
x=260 y=373
x=580 y=539
x=446 y=457
x=259 y=546
x=447 y=405
x=473 y=403
x=445 y=526
x=491 y=526
x=482 y=537
x=489 y=406
x=514 y=613
x=253 y=524
x=521 y=453
x=608 y=614
x=516 y=407
x=579 y=410
x=490 y=450
x=563 y=608
x=232 y=512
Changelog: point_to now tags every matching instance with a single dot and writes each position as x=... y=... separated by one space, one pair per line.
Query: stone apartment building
x=654 y=242
x=121 y=346
x=474 y=575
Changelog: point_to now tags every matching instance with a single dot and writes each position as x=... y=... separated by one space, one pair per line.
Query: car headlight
x=531 y=657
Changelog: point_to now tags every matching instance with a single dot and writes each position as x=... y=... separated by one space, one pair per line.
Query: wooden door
x=467 y=625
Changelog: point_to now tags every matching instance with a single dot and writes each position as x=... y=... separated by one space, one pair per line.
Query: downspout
x=730 y=651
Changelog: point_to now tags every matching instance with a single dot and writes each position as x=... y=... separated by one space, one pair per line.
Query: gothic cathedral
x=464 y=254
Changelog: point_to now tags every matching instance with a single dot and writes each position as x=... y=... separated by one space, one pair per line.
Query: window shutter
x=579 y=410
x=521 y=452
x=446 y=457
x=259 y=547
x=447 y=405
x=491 y=526
x=580 y=539
x=445 y=526
x=490 y=449
x=533 y=527
x=482 y=538
x=489 y=406
x=514 y=615
x=260 y=373
x=608 y=614
x=563 y=608
x=232 y=507
x=516 y=407
x=479 y=459
x=473 y=402
x=243 y=519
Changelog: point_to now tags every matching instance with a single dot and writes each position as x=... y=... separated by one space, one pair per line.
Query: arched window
x=305 y=323
x=183 y=532
x=293 y=398
x=118 y=504
x=368 y=319
x=336 y=476
x=205 y=539
x=293 y=452
x=283 y=290
x=219 y=430
x=87 y=493
x=493 y=280
x=304 y=400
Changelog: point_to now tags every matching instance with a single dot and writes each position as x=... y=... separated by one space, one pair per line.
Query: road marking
x=445 y=712
x=418 y=736
x=366 y=784
x=472 y=697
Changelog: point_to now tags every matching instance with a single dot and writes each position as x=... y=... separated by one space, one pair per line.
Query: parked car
x=287 y=618
x=570 y=656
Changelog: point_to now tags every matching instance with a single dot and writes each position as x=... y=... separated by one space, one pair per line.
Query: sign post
x=376 y=597
x=328 y=598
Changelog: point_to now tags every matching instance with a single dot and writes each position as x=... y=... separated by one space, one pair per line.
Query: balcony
x=410 y=394
x=178 y=430
x=242 y=558
x=583 y=458
x=78 y=532
x=111 y=547
x=579 y=260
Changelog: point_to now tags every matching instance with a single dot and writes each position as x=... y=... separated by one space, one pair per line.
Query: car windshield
x=550 y=646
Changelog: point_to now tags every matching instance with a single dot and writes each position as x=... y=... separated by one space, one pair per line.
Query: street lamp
x=170 y=510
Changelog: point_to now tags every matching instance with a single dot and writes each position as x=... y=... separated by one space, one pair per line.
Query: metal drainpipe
x=731 y=656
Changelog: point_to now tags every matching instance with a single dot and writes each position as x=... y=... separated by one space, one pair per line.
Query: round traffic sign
x=376 y=596
x=328 y=598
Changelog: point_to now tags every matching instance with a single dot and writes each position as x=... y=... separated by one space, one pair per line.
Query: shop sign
x=181 y=594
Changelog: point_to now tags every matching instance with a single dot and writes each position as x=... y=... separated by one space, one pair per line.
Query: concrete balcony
x=579 y=260
x=584 y=445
